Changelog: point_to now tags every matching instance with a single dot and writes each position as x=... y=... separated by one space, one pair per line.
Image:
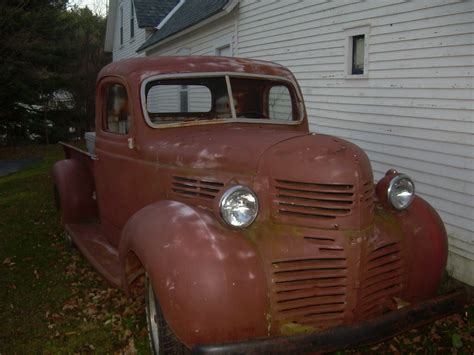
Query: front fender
x=427 y=246
x=425 y=243
x=209 y=279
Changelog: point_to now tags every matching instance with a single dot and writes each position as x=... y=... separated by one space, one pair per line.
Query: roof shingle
x=151 y=12
x=189 y=14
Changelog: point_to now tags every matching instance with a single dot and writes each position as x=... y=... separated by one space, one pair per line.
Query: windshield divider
x=231 y=97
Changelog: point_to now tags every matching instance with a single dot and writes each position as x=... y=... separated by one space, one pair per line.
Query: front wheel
x=162 y=338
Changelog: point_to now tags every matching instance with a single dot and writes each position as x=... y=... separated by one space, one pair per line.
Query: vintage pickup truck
x=255 y=234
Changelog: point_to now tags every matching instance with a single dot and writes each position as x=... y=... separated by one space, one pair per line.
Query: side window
x=117 y=112
x=279 y=103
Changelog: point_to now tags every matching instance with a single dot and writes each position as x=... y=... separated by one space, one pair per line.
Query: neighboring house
x=394 y=77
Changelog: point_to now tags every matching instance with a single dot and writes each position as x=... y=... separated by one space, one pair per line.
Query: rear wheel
x=57 y=202
x=162 y=338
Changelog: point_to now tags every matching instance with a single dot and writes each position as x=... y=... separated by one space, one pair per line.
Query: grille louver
x=311 y=200
x=311 y=291
x=383 y=278
x=194 y=187
x=368 y=198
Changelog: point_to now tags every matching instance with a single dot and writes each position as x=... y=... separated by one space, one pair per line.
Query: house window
x=117 y=111
x=183 y=98
x=358 y=44
x=121 y=25
x=224 y=51
x=357 y=52
x=132 y=20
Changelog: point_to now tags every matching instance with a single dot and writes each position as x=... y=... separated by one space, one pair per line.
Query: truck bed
x=72 y=152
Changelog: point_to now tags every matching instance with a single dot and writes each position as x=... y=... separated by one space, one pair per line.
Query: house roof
x=151 y=12
x=190 y=13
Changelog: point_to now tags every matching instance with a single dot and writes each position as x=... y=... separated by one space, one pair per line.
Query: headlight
x=401 y=191
x=239 y=206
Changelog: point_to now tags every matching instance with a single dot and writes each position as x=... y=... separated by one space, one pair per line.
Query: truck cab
x=203 y=174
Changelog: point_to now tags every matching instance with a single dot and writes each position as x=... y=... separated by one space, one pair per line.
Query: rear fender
x=209 y=279
x=74 y=189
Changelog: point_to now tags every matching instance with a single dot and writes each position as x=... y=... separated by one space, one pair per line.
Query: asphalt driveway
x=12 y=166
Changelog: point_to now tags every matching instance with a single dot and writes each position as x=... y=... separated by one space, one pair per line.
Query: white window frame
x=222 y=43
x=349 y=34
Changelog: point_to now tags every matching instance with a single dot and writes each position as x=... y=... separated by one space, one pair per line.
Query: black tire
x=69 y=242
x=57 y=200
x=162 y=338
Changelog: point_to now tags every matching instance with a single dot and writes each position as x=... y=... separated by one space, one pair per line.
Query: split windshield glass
x=170 y=101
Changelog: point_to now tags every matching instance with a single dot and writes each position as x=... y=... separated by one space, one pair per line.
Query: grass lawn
x=52 y=301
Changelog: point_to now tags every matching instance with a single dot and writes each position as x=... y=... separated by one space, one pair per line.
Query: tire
x=57 y=200
x=162 y=338
x=68 y=240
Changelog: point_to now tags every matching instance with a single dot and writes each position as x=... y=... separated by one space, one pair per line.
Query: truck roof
x=147 y=66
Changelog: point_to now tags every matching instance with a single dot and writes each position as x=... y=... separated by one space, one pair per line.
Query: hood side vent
x=193 y=187
x=368 y=198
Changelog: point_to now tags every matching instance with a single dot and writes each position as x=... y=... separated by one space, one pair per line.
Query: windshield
x=220 y=98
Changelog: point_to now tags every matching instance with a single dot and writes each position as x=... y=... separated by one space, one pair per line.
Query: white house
x=394 y=77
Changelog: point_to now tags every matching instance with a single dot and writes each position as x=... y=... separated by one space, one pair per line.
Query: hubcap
x=152 y=318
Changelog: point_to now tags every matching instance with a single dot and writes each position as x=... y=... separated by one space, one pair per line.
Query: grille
x=194 y=187
x=383 y=277
x=311 y=292
x=310 y=200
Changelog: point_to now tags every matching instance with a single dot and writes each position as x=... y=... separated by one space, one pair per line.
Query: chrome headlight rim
x=227 y=194
x=391 y=187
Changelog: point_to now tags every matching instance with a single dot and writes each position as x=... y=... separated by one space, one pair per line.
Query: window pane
x=224 y=51
x=358 y=44
x=117 y=110
x=279 y=103
x=177 y=99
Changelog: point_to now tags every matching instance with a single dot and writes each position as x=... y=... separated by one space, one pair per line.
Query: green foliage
x=457 y=342
x=46 y=48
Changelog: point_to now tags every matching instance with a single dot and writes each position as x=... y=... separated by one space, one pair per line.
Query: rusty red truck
x=255 y=234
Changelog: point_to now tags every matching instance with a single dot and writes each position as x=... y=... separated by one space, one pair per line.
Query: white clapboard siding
x=415 y=110
x=130 y=45
x=199 y=99
x=163 y=98
x=280 y=104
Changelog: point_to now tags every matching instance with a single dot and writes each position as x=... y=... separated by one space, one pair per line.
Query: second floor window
x=132 y=20
x=121 y=25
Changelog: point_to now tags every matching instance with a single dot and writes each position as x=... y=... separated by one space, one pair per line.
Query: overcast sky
x=97 y=6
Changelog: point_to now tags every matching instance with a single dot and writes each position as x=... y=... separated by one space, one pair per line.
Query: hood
x=317 y=158
x=317 y=181
x=223 y=148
